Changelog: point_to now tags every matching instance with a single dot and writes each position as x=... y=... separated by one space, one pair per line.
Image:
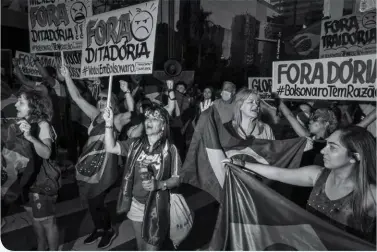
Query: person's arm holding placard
x=85 y=106
x=20 y=76
x=43 y=71
x=297 y=127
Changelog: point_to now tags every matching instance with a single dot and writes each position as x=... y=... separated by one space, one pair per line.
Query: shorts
x=42 y=207
x=136 y=212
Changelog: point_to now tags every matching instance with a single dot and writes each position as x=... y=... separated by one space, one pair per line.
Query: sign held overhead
x=57 y=25
x=120 y=42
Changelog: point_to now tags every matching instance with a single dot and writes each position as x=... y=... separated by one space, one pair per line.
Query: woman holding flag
x=344 y=190
x=150 y=172
x=96 y=170
x=35 y=112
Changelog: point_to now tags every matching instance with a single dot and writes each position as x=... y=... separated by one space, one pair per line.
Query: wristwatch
x=164 y=186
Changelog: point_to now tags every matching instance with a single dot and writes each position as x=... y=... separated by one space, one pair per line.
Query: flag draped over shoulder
x=212 y=143
x=254 y=217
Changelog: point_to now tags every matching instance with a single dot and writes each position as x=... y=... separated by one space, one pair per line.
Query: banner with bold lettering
x=342 y=78
x=350 y=35
x=263 y=85
x=73 y=63
x=120 y=42
x=27 y=65
x=57 y=25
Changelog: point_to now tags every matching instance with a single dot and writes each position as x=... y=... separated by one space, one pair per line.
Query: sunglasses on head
x=102 y=98
x=154 y=114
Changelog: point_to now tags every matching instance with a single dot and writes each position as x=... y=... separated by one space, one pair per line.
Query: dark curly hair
x=326 y=116
x=40 y=106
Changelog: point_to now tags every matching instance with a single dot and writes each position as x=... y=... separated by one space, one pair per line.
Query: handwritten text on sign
x=73 y=63
x=263 y=85
x=343 y=78
x=351 y=35
x=27 y=65
x=120 y=42
x=57 y=25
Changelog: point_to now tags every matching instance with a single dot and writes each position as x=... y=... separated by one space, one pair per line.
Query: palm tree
x=200 y=27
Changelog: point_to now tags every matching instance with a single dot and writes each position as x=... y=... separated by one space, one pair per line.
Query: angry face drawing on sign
x=369 y=20
x=141 y=25
x=78 y=15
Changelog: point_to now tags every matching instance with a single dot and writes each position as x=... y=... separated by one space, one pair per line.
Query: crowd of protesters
x=336 y=180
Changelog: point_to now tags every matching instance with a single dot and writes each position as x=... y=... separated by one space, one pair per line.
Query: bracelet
x=173 y=99
x=109 y=126
x=164 y=186
x=170 y=90
x=127 y=91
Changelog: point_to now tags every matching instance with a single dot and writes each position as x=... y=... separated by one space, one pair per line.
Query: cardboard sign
x=27 y=65
x=120 y=42
x=263 y=85
x=343 y=78
x=351 y=35
x=57 y=25
x=73 y=63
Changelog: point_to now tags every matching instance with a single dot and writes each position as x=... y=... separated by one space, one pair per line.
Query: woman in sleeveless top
x=344 y=191
x=96 y=170
x=35 y=111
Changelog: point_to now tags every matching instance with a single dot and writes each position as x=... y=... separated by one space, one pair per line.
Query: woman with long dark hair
x=35 y=111
x=344 y=190
x=150 y=172
x=96 y=170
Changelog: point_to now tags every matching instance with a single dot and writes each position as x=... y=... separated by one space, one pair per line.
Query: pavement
x=75 y=224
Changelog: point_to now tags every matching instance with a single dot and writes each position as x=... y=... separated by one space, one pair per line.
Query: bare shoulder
x=43 y=125
x=313 y=172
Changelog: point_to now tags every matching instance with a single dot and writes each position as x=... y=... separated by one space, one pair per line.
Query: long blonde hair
x=239 y=99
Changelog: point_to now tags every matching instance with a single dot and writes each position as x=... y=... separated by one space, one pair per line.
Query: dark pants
x=99 y=213
x=80 y=136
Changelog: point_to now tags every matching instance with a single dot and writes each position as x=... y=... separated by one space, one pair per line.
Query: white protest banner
x=350 y=35
x=342 y=78
x=263 y=85
x=27 y=65
x=73 y=63
x=120 y=42
x=57 y=25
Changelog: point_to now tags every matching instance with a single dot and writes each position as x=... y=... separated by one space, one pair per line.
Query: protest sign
x=342 y=78
x=350 y=35
x=263 y=85
x=120 y=42
x=57 y=25
x=28 y=67
x=73 y=63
